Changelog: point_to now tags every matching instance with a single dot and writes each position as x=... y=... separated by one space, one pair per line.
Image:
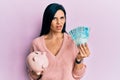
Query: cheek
x=63 y=21
x=52 y=26
x=53 y=23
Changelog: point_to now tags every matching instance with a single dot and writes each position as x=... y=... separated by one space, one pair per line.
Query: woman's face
x=58 y=21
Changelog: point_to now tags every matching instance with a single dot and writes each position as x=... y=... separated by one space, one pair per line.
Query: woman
x=65 y=58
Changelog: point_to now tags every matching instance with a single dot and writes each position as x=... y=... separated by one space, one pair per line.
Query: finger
x=86 y=50
x=79 y=56
x=82 y=52
x=86 y=47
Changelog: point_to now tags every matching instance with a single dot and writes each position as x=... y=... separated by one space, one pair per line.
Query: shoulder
x=68 y=38
x=37 y=40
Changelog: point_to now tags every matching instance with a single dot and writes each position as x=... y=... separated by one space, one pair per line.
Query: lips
x=59 y=27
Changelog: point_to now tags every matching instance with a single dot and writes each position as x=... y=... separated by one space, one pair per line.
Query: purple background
x=20 y=22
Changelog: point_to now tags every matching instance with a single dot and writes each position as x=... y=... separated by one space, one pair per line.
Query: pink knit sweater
x=60 y=66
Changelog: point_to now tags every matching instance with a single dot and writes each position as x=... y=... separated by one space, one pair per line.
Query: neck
x=53 y=35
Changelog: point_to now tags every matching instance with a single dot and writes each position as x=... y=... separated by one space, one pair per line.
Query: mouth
x=59 y=27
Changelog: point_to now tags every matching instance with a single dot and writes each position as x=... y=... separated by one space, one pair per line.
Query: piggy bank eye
x=36 y=52
x=33 y=59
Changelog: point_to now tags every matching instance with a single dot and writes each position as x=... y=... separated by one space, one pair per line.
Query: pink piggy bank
x=37 y=61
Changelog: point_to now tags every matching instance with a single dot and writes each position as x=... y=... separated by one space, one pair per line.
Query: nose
x=58 y=21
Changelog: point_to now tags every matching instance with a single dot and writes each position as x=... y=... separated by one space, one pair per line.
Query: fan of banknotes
x=80 y=34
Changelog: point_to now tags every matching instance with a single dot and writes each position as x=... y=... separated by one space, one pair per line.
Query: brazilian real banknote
x=80 y=34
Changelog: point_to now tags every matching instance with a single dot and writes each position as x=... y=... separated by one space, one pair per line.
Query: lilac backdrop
x=20 y=22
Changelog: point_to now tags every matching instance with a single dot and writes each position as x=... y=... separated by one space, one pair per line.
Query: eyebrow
x=56 y=17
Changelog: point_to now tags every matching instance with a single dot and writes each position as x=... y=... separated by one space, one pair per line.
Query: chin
x=58 y=31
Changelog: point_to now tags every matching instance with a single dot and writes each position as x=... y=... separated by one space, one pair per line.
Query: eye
x=54 y=18
x=62 y=17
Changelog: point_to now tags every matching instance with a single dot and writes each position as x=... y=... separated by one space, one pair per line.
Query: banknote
x=80 y=34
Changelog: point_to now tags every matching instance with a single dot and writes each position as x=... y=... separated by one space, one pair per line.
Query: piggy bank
x=37 y=61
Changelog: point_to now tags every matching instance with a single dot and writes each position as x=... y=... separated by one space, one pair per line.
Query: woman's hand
x=83 y=51
x=79 y=67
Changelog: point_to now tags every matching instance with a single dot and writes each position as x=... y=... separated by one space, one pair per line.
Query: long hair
x=48 y=17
